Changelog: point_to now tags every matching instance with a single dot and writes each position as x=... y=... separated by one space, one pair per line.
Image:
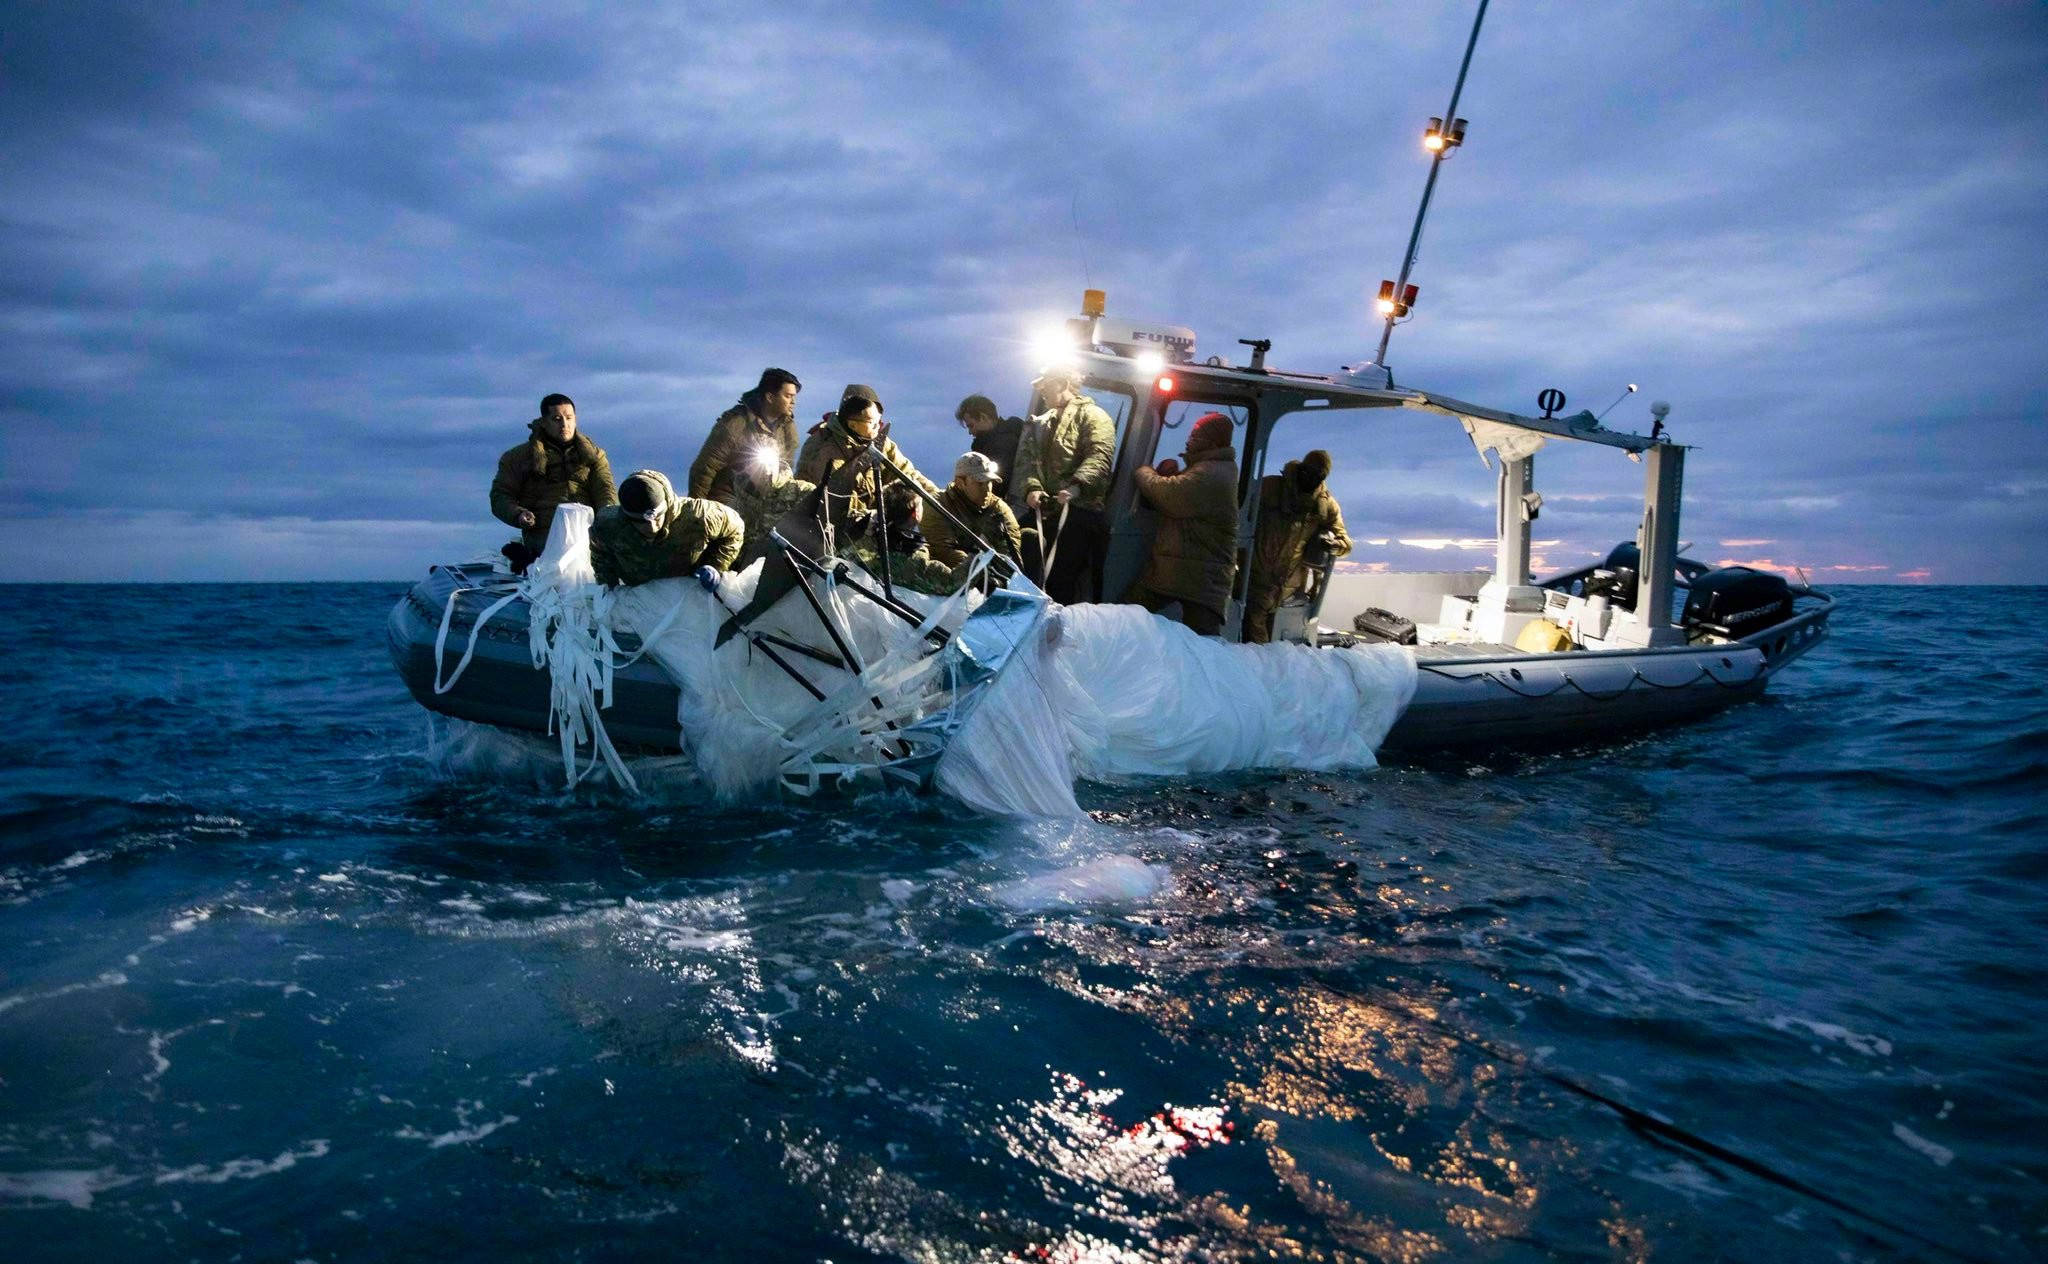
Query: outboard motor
x=1615 y=578
x=1736 y=601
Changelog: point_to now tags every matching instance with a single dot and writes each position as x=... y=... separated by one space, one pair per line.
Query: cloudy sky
x=278 y=283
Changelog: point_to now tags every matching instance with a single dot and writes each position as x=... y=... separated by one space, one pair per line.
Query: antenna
x=1080 y=240
x=1444 y=135
x=1617 y=399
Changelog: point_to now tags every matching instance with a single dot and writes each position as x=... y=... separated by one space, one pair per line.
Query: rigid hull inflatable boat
x=1645 y=639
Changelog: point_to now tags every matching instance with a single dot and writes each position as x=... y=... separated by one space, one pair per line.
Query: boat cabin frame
x=1486 y=607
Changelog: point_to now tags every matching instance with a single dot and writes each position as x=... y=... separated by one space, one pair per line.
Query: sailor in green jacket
x=1063 y=466
x=1298 y=519
x=652 y=533
x=971 y=498
x=557 y=465
x=765 y=415
x=837 y=448
x=1194 y=549
x=764 y=496
x=910 y=563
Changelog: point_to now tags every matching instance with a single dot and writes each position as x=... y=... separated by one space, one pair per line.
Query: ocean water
x=282 y=979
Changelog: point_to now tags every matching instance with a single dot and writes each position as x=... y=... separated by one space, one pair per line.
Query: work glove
x=708 y=576
x=1167 y=468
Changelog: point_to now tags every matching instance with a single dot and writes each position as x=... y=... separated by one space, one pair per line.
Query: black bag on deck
x=1375 y=624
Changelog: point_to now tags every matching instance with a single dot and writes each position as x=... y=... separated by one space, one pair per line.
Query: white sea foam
x=456 y=1136
x=110 y=978
x=1682 y=1177
x=60 y=1185
x=1868 y=1046
x=1940 y=1155
x=1115 y=879
x=242 y=1169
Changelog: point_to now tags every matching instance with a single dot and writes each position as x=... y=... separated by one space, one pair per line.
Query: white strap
x=441 y=639
x=1059 y=533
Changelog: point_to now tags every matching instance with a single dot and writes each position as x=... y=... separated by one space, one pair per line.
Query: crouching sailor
x=971 y=498
x=652 y=533
x=556 y=466
x=908 y=562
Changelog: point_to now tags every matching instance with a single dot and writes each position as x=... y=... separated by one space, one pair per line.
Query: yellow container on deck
x=1542 y=636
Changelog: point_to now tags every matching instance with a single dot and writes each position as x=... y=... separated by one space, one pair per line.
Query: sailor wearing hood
x=557 y=465
x=1298 y=518
x=1194 y=549
x=764 y=417
x=652 y=533
x=837 y=448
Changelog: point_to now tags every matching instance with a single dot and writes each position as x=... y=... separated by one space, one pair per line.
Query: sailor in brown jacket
x=971 y=498
x=836 y=453
x=1298 y=521
x=1194 y=549
x=557 y=465
x=764 y=418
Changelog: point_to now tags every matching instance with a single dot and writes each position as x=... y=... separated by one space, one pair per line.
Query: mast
x=1444 y=135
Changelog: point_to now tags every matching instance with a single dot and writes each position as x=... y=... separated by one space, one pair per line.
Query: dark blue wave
x=264 y=966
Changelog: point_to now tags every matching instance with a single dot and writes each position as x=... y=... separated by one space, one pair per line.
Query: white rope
x=441 y=638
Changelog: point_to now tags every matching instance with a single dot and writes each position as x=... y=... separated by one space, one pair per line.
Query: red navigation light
x=1166 y=384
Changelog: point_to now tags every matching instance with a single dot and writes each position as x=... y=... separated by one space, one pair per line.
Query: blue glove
x=708 y=576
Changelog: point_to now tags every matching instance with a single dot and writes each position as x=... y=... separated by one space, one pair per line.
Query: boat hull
x=501 y=685
x=1466 y=696
x=1567 y=699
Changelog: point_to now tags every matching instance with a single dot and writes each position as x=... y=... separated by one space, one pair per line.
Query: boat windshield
x=1181 y=414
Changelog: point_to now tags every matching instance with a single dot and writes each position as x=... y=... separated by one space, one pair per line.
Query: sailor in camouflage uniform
x=652 y=533
x=910 y=564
